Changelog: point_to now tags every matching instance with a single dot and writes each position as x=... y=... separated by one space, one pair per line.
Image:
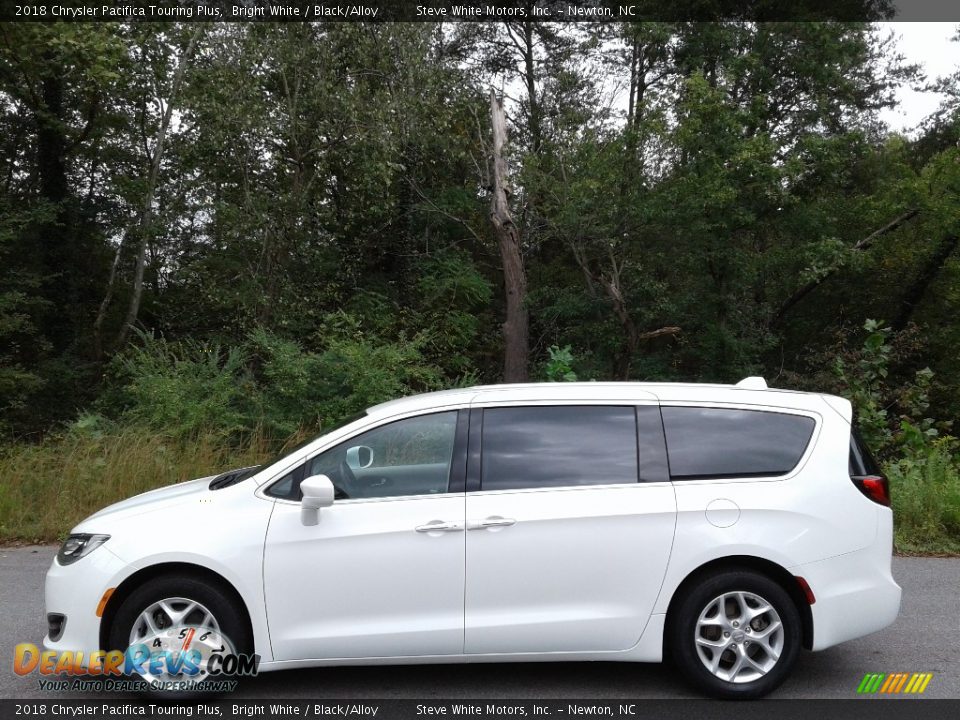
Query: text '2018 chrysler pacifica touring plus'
x=725 y=527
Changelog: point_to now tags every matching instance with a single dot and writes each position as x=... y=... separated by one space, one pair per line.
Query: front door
x=382 y=573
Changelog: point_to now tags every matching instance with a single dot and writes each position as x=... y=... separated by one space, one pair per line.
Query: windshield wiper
x=232 y=477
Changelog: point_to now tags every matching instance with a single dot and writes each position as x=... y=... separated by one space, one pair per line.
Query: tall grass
x=926 y=501
x=48 y=488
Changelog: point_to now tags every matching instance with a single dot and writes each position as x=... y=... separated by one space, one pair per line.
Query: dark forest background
x=216 y=239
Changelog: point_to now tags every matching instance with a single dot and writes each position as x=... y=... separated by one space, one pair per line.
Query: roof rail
x=754 y=382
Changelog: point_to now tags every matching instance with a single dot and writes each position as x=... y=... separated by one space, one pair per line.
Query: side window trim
x=657 y=443
x=458 y=462
x=456 y=481
x=653 y=460
x=475 y=446
x=801 y=460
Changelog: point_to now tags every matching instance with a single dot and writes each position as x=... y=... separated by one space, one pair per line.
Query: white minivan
x=726 y=527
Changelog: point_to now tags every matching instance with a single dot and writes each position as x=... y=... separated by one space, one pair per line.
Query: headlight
x=77 y=546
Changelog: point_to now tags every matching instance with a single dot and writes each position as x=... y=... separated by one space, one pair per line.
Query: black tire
x=683 y=632
x=224 y=607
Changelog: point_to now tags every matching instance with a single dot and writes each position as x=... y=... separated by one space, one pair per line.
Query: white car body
x=584 y=572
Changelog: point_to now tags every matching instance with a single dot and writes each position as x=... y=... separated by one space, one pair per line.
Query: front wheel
x=736 y=635
x=173 y=615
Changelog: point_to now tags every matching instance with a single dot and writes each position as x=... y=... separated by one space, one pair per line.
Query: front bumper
x=74 y=591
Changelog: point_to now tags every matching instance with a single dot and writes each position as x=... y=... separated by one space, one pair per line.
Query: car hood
x=147 y=502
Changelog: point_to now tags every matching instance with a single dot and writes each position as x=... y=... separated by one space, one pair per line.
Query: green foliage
x=267 y=385
x=891 y=413
x=559 y=365
x=920 y=461
x=451 y=297
x=865 y=382
x=184 y=388
x=925 y=486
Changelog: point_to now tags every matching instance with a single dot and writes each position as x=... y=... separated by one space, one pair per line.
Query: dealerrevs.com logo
x=180 y=658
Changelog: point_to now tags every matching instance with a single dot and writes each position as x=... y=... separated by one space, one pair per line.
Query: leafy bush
x=451 y=296
x=268 y=385
x=175 y=411
x=891 y=413
x=926 y=498
x=184 y=389
x=356 y=373
x=559 y=366
x=919 y=456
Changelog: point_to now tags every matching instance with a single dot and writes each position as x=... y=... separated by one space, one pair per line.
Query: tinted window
x=710 y=442
x=406 y=457
x=861 y=461
x=531 y=447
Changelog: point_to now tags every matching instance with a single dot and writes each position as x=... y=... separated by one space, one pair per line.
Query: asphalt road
x=926 y=638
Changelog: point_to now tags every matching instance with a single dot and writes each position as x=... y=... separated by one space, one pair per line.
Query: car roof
x=751 y=391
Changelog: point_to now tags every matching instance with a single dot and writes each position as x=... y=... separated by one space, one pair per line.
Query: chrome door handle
x=491 y=522
x=439 y=526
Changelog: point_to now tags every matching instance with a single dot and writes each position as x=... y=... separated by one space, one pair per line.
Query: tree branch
x=859 y=246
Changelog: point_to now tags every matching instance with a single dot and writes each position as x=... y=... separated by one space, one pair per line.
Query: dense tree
x=688 y=201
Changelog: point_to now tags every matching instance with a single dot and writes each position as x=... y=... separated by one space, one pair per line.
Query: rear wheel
x=736 y=635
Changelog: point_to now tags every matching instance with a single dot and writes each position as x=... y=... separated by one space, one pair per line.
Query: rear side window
x=861 y=461
x=719 y=443
x=534 y=447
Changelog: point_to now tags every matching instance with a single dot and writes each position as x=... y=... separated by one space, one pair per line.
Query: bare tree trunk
x=516 y=326
x=631 y=338
x=146 y=213
x=105 y=304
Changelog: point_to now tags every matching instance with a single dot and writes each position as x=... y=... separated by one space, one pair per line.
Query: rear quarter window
x=861 y=461
x=726 y=443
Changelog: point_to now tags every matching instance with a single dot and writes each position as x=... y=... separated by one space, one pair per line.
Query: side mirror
x=317 y=493
x=359 y=457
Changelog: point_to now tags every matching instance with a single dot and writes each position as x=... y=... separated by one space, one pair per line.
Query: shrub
x=559 y=365
x=267 y=385
x=925 y=488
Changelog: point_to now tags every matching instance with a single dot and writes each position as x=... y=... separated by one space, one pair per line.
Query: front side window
x=535 y=447
x=719 y=442
x=406 y=457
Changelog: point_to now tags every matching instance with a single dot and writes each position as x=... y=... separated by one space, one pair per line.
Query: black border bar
x=475 y=10
x=484 y=709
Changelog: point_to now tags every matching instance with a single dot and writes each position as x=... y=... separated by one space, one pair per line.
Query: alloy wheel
x=739 y=637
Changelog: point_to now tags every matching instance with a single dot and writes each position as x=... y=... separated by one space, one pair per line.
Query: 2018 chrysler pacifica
x=725 y=526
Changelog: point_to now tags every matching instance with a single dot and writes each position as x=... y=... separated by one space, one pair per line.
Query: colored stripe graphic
x=865 y=683
x=871 y=682
x=900 y=682
x=894 y=683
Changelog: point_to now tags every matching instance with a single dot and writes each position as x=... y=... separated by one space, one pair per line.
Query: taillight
x=874 y=487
